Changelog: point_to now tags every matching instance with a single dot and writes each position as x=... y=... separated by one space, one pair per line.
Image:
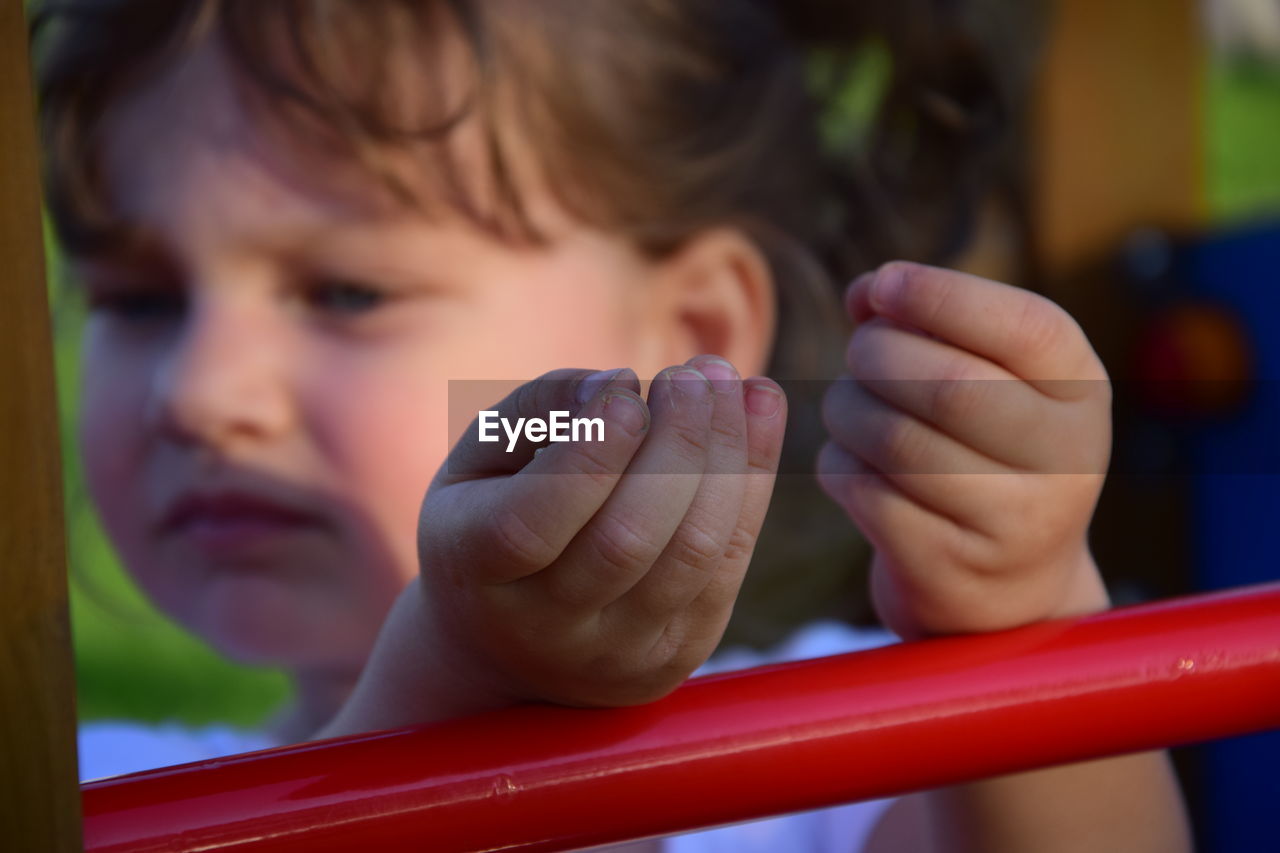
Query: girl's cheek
x=111 y=426
x=377 y=424
x=383 y=419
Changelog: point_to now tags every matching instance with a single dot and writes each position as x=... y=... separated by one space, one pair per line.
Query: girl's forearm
x=1130 y=803
x=409 y=679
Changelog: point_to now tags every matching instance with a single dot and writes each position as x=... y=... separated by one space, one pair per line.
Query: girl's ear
x=714 y=295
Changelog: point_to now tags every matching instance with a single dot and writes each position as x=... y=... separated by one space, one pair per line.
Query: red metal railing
x=732 y=747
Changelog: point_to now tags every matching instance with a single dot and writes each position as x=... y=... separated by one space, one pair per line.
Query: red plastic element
x=1195 y=359
x=727 y=748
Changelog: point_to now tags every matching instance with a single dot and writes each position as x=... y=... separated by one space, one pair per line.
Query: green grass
x=1242 y=140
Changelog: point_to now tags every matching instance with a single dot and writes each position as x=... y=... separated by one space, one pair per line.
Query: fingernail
x=624 y=409
x=591 y=384
x=847 y=299
x=763 y=400
x=888 y=283
x=690 y=382
x=857 y=282
x=719 y=372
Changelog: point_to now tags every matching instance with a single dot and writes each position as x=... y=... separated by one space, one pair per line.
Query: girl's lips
x=230 y=522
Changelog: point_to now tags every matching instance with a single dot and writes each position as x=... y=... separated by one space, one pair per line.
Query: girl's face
x=265 y=378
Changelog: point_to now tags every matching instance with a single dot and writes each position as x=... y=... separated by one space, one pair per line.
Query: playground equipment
x=731 y=747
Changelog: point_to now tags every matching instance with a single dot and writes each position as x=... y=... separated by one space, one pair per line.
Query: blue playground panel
x=1237 y=507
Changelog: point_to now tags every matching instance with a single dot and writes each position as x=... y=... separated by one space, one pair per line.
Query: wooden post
x=39 y=791
x=1117 y=139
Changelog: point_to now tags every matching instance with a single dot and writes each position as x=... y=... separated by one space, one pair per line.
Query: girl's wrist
x=1084 y=592
x=412 y=676
x=464 y=685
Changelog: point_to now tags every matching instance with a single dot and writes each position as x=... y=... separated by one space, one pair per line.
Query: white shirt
x=109 y=748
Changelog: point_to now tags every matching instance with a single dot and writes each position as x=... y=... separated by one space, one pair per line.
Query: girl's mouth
x=224 y=523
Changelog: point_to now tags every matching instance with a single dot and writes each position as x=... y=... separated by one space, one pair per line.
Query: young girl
x=297 y=221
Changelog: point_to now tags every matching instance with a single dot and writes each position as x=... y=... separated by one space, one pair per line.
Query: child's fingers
x=931 y=468
x=694 y=555
x=925 y=576
x=766 y=412
x=504 y=528
x=976 y=402
x=624 y=539
x=857 y=298
x=894 y=522
x=558 y=390
x=1023 y=332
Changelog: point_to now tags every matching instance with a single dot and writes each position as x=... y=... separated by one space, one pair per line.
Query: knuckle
x=862 y=345
x=589 y=461
x=762 y=463
x=690 y=440
x=837 y=403
x=870 y=354
x=519 y=542
x=1043 y=328
x=1089 y=383
x=861 y=503
x=727 y=429
x=621 y=545
x=662 y=601
x=671 y=660
x=836 y=474
x=665 y=653
x=902 y=444
x=853 y=349
x=958 y=394
x=740 y=545
x=695 y=545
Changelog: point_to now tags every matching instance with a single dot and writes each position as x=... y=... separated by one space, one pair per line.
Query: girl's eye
x=139 y=305
x=344 y=297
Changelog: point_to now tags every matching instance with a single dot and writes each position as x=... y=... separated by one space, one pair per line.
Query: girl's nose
x=224 y=381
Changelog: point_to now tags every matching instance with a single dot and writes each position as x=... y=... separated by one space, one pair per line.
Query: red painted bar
x=732 y=747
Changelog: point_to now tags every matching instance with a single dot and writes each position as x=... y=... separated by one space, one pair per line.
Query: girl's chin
x=263 y=646
x=259 y=623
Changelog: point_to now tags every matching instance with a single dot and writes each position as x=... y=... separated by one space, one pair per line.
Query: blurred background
x=1146 y=200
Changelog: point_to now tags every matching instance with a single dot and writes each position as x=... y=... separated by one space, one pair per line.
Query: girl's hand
x=969 y=445
x=599 y=573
